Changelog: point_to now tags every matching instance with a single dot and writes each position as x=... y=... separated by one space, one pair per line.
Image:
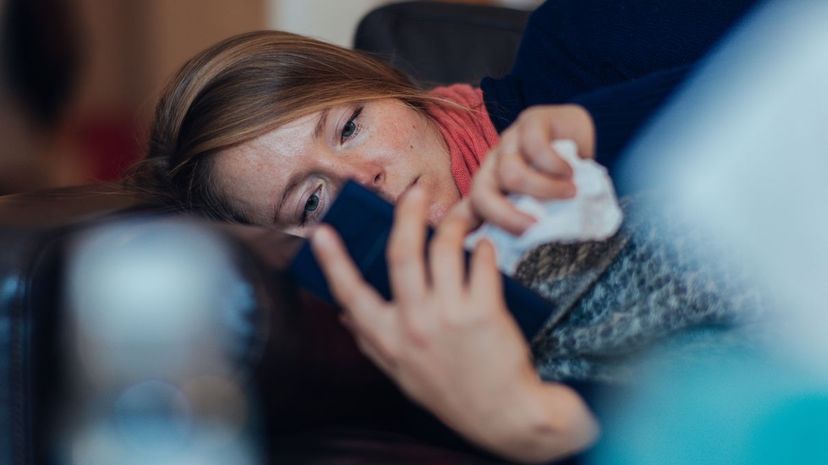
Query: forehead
x=289 y=140
x=252 y=174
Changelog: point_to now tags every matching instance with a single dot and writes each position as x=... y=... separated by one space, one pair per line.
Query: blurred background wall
x=112 y=58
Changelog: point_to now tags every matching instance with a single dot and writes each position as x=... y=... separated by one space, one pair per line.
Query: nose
x=369 y=174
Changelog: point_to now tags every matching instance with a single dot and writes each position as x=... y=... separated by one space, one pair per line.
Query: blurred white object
x=149 y=298
x=163 y=319
x=593 y=214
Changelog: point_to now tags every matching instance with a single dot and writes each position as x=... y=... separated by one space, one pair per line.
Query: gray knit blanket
x=656 y=282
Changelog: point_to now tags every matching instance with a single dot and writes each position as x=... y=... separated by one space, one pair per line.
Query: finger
x=375 y=354
x=484 y=277
x=446 y=253
x=375 y=346
x=490 y=204
x=536 y=140
x=515 y=175
x=406 y=248
x=362 y=301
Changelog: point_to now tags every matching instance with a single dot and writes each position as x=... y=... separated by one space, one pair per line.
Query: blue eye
x=311 y=205
x=351 y=127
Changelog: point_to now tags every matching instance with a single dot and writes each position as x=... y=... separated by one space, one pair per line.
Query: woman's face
x=289 y=176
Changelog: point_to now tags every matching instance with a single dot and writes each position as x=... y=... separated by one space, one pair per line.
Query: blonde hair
x=244 y=87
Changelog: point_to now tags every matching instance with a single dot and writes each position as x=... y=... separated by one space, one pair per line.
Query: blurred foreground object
x=741 y=151
x=165 y=332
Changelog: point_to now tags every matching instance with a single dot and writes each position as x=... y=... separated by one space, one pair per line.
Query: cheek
x=401 y=149
x=423 y=146
x=446 y=196
x=405 y=137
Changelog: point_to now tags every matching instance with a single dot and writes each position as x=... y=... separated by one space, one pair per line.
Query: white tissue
x=593 y=214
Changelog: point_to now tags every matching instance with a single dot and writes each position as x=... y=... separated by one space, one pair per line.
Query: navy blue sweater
x=619 y=59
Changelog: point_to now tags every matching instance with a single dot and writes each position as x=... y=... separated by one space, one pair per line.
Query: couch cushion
x=443 y=43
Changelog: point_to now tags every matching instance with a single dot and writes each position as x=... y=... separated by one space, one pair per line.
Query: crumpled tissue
x=593 y=214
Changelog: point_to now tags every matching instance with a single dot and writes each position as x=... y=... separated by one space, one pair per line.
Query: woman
x=263 y=128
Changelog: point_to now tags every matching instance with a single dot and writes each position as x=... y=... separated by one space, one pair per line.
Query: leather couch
x=313 y=398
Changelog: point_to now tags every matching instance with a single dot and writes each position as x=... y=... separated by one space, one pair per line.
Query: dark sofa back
x=443 y=43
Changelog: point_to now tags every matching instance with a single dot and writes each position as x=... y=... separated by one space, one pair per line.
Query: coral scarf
x=468 y=134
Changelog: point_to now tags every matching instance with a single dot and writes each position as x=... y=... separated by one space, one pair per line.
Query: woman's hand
x=448 y=340
x=524 y=162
